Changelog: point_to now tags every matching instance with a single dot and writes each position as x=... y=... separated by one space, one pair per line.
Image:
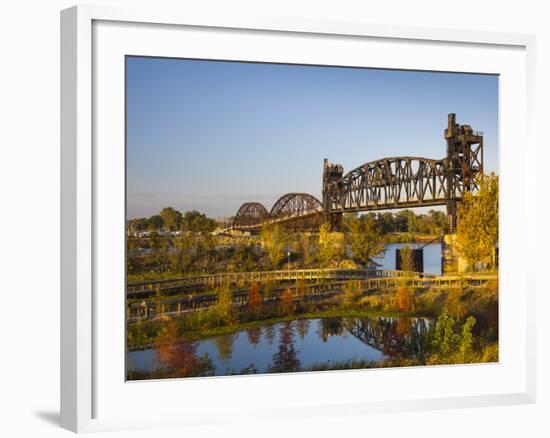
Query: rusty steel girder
x=295 y=204
x=295 y=211
x=397 y=182
x=250 y=214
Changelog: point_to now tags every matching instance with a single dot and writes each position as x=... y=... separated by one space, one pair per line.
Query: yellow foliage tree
x=477 y=229
x=274 y=241
x=331 y=246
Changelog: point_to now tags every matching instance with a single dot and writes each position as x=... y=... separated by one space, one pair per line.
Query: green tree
x=407 y=260
x=351 y=293
x=160 y=252
x=438 y=222
x=137 y=225
x=268 y=288
x=155 y=223
x=304 y=247
x=467 y=341
x=224 y=306
x=477 y=230
x=185 y=249
x=446 y=340
x=133 y=258
x=171 y=218
x=365 y=239
x=274 y=242
x=205 y=250
x=243 y=259
x=331 y=247
x=198 y=223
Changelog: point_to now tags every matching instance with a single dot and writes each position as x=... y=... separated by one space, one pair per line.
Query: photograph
x=286 y=218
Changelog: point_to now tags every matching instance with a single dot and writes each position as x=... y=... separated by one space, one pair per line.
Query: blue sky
x=210 y=135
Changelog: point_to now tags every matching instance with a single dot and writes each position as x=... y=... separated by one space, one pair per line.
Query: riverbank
x=481 y=303
x=333 y=339
x=197 y=335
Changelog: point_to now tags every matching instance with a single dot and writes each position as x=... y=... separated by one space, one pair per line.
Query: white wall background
x=29 y=218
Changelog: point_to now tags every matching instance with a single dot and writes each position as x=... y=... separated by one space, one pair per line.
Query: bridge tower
x=464 y=164
x=332 y=173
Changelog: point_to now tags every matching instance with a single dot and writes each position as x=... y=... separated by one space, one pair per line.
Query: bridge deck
x=229 y=278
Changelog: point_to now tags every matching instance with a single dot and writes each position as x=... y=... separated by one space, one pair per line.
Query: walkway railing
x=243 y=278
x=169 y=306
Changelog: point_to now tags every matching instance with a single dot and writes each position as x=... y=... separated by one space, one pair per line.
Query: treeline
x=170 y=219
x=197 y=251
x=406 y=221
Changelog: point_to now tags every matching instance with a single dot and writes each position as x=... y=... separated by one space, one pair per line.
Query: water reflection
x=395 y=337
x=286 y=358
x=254 y=334
x=224 y=345
x=302 y=326
x=292 y=346
x=270 y=333
x=330 y=327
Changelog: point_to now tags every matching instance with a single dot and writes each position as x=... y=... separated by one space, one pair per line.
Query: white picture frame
x=83 y=384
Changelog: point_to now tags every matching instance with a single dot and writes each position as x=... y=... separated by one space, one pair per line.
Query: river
x=301 y=344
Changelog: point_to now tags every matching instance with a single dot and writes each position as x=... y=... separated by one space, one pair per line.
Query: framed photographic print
x=252 y=208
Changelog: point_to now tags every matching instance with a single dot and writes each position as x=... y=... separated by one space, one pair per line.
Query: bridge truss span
x=250 y=214
x=294 y=211
x=295 y=205
x=387 y=183
x=396 y=182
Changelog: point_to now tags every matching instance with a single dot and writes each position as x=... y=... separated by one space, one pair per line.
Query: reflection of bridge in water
x=388 y=183
x=390 y=336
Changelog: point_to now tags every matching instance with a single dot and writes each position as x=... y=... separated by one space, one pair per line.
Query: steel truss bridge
x=387 y=183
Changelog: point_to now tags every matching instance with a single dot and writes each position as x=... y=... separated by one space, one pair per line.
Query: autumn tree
x=364 y=238
x=255 y=299
x=274 y=242
x=404 y=299
x=331 y=246
x=477 y=229
x=287 y=302
x=180 y=357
